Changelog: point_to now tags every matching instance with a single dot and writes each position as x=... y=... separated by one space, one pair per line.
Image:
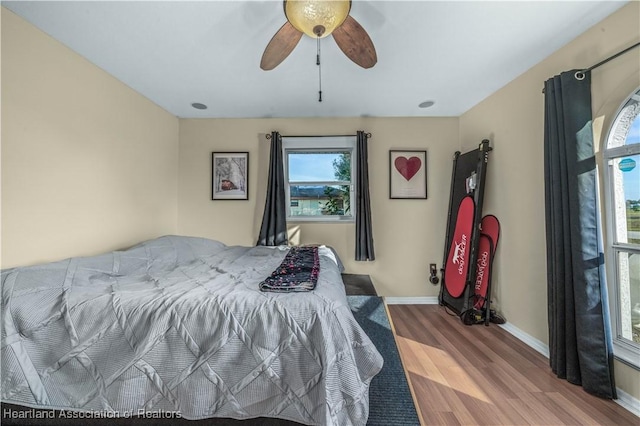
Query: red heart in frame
x=408 y=167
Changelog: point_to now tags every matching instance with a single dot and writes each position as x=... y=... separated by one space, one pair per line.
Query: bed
x=178 y=325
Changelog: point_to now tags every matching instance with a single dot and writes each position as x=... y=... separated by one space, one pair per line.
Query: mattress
x=178 y=325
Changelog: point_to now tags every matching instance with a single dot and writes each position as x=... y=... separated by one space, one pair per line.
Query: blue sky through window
x=310 y=167
x=631 y=179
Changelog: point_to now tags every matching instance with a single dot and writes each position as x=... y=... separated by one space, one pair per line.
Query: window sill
x=295 y=219
x=627 y=354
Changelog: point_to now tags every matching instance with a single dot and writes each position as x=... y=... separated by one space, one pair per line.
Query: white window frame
x=623 y=349
x=319 y=144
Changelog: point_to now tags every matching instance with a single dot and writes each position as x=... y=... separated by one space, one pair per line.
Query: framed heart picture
x=407 y=174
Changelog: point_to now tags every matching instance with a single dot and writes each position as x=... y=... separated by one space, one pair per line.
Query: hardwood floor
x=478 y=375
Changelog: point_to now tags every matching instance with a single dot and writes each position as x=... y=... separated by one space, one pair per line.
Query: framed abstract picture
x=407 y=174
x=230 y=176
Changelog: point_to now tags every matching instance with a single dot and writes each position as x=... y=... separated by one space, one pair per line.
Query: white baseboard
x=625 y=400
x=629 y=402
x=427 y=300
x=531 y=341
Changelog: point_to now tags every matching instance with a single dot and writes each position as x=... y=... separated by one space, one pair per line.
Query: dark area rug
x=390 y=400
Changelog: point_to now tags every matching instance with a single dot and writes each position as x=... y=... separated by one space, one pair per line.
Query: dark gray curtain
x=580 y=342
x=273 y=231
x=364 y=233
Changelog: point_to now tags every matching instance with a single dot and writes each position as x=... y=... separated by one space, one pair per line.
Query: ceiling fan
x=319 y=19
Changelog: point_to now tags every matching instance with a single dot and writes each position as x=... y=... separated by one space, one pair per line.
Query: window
x=319 y=174
x=622 y=183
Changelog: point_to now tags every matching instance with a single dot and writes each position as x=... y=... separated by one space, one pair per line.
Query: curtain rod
x=268 y=136
x=580 y=74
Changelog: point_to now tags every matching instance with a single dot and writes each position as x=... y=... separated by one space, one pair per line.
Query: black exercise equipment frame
x=458 y=190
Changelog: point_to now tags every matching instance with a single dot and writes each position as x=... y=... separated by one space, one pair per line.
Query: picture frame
x=229 y=175
x=407 y=174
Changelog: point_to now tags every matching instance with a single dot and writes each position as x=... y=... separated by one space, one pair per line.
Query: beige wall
x=408 y=234
x=513 y=118
x=88 y=165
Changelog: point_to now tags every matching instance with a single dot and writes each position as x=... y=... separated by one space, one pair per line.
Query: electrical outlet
x=433 y=276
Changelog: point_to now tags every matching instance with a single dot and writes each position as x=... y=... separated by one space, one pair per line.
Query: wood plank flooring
x=478 y=375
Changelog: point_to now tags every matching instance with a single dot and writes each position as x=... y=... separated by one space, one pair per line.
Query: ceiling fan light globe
x=307 y=15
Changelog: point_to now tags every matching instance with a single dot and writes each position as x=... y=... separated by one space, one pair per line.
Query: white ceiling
x=455 y=53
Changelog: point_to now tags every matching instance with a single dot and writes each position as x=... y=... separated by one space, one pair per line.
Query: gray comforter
x=178 y=325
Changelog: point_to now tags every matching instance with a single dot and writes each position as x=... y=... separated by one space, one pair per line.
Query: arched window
x=622 y=187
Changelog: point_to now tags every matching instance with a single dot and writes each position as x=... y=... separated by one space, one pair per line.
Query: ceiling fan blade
x=280 y=46
x=354 y=41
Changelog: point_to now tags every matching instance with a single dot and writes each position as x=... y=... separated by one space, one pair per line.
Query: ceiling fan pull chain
x=319 y=72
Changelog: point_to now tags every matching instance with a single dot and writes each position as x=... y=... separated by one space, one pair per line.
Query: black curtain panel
x=580 y=342
x=364 y=233
x=273 y=231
